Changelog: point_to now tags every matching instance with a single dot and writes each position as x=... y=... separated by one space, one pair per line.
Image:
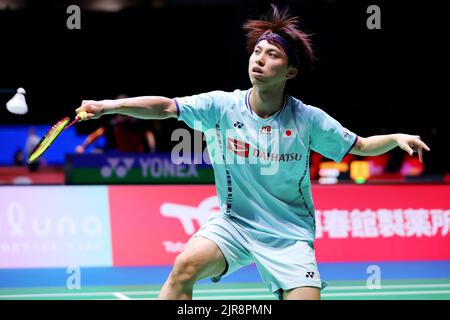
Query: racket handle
x=82 y=116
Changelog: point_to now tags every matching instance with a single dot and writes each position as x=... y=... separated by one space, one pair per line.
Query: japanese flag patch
x=289 y=133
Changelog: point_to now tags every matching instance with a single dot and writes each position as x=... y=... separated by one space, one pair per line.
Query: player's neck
x=265 y=102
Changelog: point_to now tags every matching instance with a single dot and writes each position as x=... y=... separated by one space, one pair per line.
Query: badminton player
x=266 y=218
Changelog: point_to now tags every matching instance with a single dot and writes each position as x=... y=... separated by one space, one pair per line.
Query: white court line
x=393 y=286
x=255 y=290
x=330 y=288
x=56 y=295
x=245 y=297
x=121 y=296
x=355 y=294
x=203 y=291
x=383 y=293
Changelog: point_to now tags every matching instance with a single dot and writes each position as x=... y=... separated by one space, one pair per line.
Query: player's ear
x=292 y=72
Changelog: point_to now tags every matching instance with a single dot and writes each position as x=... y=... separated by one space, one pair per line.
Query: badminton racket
x=51 y=135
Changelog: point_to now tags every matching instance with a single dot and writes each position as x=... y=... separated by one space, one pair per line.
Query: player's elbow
x=360 y=147
x=168 y=109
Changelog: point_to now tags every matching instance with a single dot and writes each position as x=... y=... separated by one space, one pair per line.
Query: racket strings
x=48 y=138
x=52 y=134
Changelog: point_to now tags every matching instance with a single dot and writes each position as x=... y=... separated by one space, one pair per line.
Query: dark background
x=372 y=81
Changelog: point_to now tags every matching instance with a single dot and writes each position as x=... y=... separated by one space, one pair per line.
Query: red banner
x=382 y=223
x=151 y=224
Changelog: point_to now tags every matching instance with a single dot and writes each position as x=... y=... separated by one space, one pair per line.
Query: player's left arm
x=375 y=145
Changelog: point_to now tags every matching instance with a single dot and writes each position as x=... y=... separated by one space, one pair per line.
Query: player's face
x=268 y=64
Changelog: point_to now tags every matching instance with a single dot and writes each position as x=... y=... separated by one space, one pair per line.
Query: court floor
x=405 y=289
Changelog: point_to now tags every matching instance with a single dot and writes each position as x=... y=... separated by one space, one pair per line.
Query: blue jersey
x=261 y=166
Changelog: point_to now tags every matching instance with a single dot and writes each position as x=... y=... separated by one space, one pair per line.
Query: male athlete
x=267 y=216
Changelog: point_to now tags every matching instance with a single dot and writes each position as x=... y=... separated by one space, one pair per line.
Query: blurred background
x=388 y=80
x=373 y=81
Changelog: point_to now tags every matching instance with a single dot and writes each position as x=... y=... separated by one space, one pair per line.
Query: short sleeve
x=329 y=137
x=203 y=108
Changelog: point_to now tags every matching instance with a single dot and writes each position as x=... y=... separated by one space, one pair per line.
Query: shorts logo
x=240 y=148
x=309 y=274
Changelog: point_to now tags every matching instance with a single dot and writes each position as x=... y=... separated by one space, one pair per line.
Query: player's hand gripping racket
x=52 y=134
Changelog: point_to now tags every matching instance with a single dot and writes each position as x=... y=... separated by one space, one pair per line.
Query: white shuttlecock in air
x=17 y=104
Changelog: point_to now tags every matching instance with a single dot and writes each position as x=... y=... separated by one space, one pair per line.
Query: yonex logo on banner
x=146 y=166
x=120 y=170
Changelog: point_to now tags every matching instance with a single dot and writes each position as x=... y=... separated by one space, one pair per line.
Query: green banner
x=134 y=169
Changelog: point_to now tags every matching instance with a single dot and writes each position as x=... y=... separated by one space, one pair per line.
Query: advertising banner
x=134 y=169
x=54 y=227
x=382 y=222
x=150 y=225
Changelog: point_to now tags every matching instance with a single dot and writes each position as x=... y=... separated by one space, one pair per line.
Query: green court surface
x=426 y=289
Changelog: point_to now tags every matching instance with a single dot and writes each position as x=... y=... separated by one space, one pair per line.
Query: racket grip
x=82 y=116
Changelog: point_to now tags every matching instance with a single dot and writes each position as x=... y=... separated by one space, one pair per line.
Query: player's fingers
x=420 y=152
x=85 y=102
x=92 y=109
x=407 y=148
x=90 y=115
x=423 y=145
x=85 y=105
x=418 y=141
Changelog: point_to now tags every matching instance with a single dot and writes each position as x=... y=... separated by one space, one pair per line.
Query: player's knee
x=185 y=269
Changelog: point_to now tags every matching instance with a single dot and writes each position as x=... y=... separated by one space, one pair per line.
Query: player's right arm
x=145 y=107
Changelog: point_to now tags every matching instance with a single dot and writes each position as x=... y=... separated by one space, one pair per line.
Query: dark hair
x=281 y=23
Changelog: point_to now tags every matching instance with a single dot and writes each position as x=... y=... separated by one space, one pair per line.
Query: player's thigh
x=203 y=257
x=302 y=293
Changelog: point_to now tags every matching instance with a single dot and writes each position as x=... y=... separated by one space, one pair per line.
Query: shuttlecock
x=17 y=104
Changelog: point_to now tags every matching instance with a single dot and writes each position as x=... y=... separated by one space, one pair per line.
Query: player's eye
x=273 y=54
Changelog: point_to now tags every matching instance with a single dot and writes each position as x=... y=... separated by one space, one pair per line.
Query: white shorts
x=282 y=263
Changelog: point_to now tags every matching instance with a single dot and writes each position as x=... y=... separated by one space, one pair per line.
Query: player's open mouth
x=257 y=70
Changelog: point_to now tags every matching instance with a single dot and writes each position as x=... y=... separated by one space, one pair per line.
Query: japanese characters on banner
x=382 y=223
x=341 y=224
